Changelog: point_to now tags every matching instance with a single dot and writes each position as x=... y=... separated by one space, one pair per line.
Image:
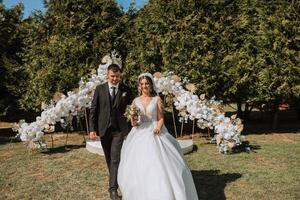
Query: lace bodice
x=148 y=112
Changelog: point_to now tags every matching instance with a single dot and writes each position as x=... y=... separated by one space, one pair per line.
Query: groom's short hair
x=114 y=67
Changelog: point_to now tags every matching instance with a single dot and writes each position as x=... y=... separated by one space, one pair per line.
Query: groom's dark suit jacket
x=102 y=109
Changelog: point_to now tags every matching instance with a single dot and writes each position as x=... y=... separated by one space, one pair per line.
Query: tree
x=240 y=51
x=66 y=43
x=246 y=52
x=11 y=37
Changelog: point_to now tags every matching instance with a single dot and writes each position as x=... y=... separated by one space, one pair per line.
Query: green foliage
x=240 y=51
x=12 y=76
x=65 y=43
x=175 y=36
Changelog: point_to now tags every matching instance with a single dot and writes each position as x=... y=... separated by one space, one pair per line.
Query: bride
x=152 y=166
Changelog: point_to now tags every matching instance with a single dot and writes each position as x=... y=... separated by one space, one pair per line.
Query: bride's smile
x=145 y=87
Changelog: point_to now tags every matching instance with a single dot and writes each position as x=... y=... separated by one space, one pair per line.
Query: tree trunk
x=275 y=120
x=298 y=114
x=239 y=111
x=247 y=111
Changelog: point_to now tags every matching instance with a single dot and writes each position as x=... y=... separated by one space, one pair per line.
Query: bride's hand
x=156 y=131
x=133 y=122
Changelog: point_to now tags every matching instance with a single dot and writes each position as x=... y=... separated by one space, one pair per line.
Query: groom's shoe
x=114 y=195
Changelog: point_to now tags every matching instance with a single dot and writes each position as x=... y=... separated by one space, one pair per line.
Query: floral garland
x=72 y=104
x=207 y=113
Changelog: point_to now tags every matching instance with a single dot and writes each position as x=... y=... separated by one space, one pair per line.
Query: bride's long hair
x=149 y=80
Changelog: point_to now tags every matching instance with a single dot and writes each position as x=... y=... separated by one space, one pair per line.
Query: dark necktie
x=113 y=95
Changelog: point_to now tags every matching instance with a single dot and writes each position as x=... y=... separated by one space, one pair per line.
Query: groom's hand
x=93 y=135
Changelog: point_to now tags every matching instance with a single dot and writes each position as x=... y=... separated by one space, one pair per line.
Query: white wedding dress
x=152 y=166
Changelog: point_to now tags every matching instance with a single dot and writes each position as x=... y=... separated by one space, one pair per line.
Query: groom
x=108 y=121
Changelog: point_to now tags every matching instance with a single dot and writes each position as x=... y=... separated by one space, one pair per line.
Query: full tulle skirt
x=152 y=167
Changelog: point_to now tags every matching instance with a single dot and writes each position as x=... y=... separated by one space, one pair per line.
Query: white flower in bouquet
x=227 y=120
x=133 y=112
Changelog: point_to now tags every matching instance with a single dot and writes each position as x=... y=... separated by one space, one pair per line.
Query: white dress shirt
x=110 y=88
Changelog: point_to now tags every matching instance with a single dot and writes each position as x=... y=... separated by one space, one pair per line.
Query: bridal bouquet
x=132 y=112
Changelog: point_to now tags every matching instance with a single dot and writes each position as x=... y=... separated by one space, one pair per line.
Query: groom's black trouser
x=112 y=143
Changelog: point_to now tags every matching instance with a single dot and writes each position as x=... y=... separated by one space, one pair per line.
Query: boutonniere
x=124 y=94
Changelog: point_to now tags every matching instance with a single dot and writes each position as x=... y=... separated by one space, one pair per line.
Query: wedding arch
x=207 y=113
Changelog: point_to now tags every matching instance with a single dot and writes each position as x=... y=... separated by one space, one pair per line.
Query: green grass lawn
x=271 y=172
